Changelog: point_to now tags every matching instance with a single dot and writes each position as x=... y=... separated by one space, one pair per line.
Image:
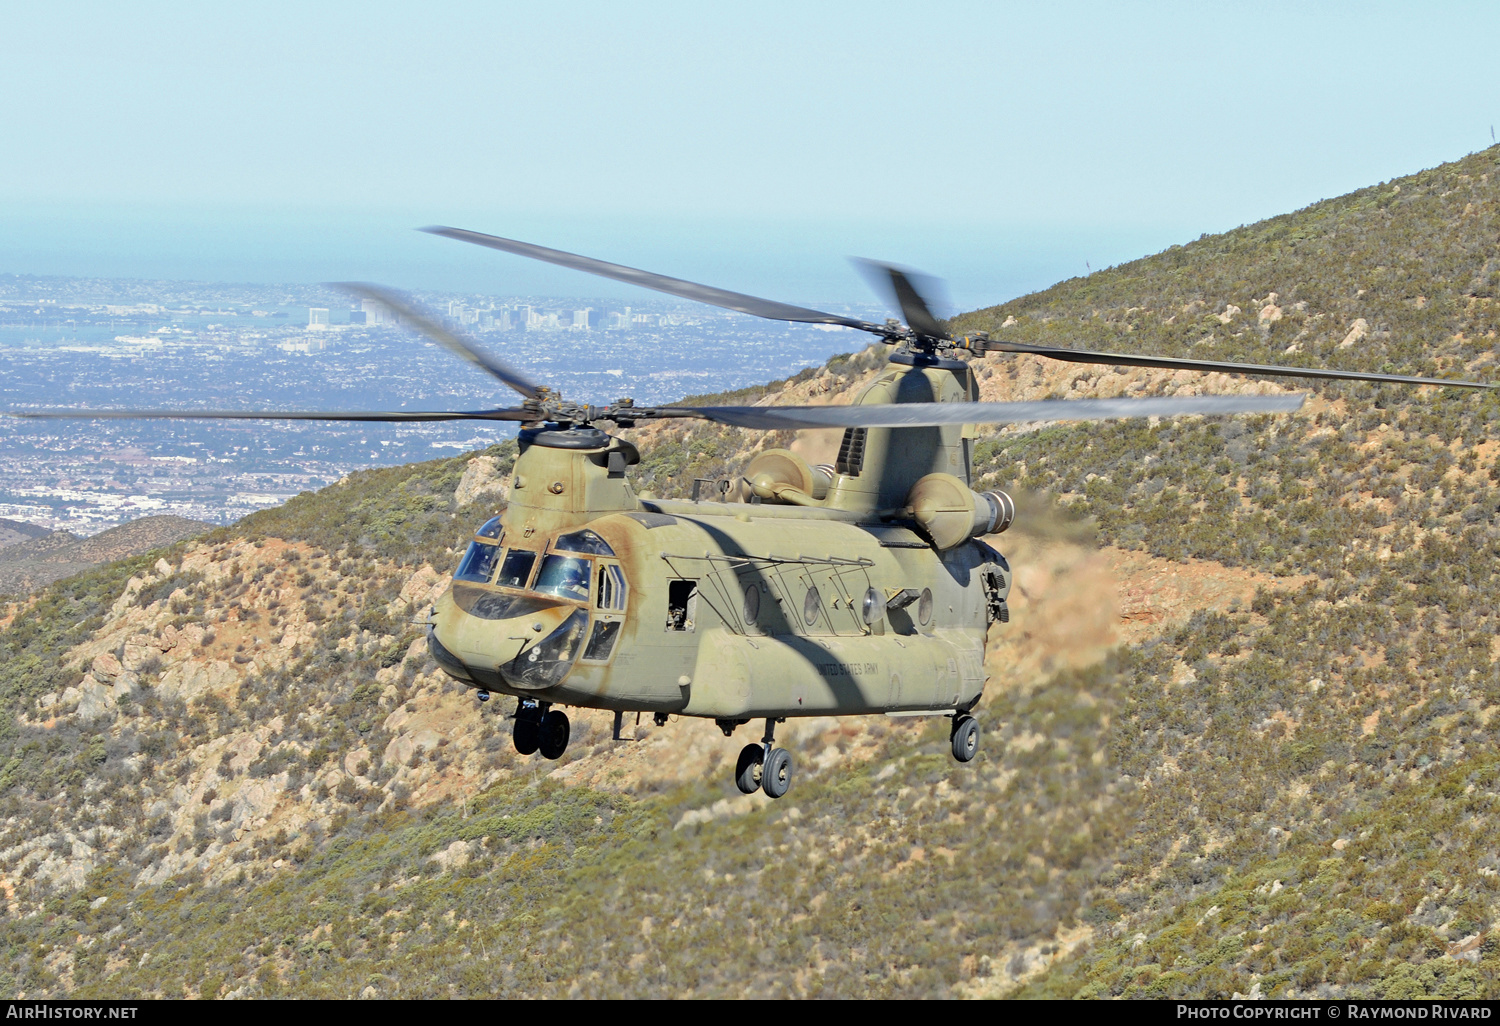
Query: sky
x=753 y=146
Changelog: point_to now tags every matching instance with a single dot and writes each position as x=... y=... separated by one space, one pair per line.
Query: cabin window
x=924 y=607
x=564 y=576
x=610 y=590
x=491 y=529
x=752 y=602
x=602 y=641
x=682 y=605
x=812 y=605
x=515 y=571
x=477 y=562
x=584 y=541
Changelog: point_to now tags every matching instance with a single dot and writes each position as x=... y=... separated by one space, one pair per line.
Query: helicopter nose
x=545 y=660
x=477 y=635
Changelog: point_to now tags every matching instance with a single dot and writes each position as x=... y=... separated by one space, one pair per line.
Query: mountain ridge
x=42 y=557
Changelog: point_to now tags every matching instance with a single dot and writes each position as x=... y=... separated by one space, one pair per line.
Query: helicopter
x=861 y=587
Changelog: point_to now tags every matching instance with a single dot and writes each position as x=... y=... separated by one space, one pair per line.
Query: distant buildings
x=375 y=312
x=317 y=317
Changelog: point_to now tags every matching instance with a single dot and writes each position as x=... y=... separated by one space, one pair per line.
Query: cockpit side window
x=477 y=563
x=564 y=576
x=515 y=571
x=491 y=529
x=609 y=590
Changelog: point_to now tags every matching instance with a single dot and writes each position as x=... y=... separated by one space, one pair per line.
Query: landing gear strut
x=764 y=768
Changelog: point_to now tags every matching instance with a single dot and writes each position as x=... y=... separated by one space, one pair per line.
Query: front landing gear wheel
x=747 y=769
x=776 y=775
x=553 y=734
x=527 y=732
x=965 y=738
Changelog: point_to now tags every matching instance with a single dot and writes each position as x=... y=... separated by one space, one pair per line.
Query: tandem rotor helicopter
x=857 y=588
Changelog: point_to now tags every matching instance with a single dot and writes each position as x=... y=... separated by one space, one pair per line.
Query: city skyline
x=66 y=343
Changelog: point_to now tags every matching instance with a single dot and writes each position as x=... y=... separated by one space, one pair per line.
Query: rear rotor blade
x=389 y=416
x=1173 y=363
x=441 y=335
x=903 y=415
x=904 y=288
x=737 y=301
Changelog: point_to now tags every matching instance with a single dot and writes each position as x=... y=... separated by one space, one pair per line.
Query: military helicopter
x=857 y=588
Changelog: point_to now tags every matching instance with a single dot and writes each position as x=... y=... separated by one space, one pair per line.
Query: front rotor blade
x=390 y=416
x=904 y=415
x=1173 y=363
x=903 y=288
x=439 y=334
x=737 y=301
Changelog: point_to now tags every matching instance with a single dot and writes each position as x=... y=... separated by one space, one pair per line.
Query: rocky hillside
x=1237 y=733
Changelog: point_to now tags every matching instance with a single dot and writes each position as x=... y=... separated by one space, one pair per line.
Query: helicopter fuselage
x=729 y=611
x=830 y=598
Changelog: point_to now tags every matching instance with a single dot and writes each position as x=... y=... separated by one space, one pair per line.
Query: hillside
x=1237 y=734
x=39 y=557
x=12 y=531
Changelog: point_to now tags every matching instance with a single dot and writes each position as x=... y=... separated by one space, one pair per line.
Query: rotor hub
x=557 y=436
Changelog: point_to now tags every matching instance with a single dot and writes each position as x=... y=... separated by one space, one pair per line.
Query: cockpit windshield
x=491 y=529
x=477 y=563
x=564 y=576
x=516 y=570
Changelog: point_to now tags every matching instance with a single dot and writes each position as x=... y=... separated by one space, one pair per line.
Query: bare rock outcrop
x=1357 y=332
x=482 y=479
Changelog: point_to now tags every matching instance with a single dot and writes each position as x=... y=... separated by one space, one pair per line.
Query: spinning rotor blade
x=435 y=331
x=903 y=415
x=901 y=286
x=390 y=416
x=1173 y=363
x=661 y=283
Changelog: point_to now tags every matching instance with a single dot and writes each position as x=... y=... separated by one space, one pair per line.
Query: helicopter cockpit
x=566 y=570
x=499 y=581
x=479 y=561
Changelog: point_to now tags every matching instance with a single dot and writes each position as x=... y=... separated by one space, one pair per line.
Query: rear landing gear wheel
x=747 y=768
x=776 y=775
x=965 y=738
x=553 y=734
x=527 y=733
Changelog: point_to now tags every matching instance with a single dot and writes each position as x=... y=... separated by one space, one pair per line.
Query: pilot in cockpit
x=566 y=576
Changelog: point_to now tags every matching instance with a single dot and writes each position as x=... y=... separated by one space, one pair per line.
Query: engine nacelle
x=780 y=475
x=951 y=512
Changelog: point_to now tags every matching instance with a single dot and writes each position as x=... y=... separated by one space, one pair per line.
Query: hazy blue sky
x=753 y=146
